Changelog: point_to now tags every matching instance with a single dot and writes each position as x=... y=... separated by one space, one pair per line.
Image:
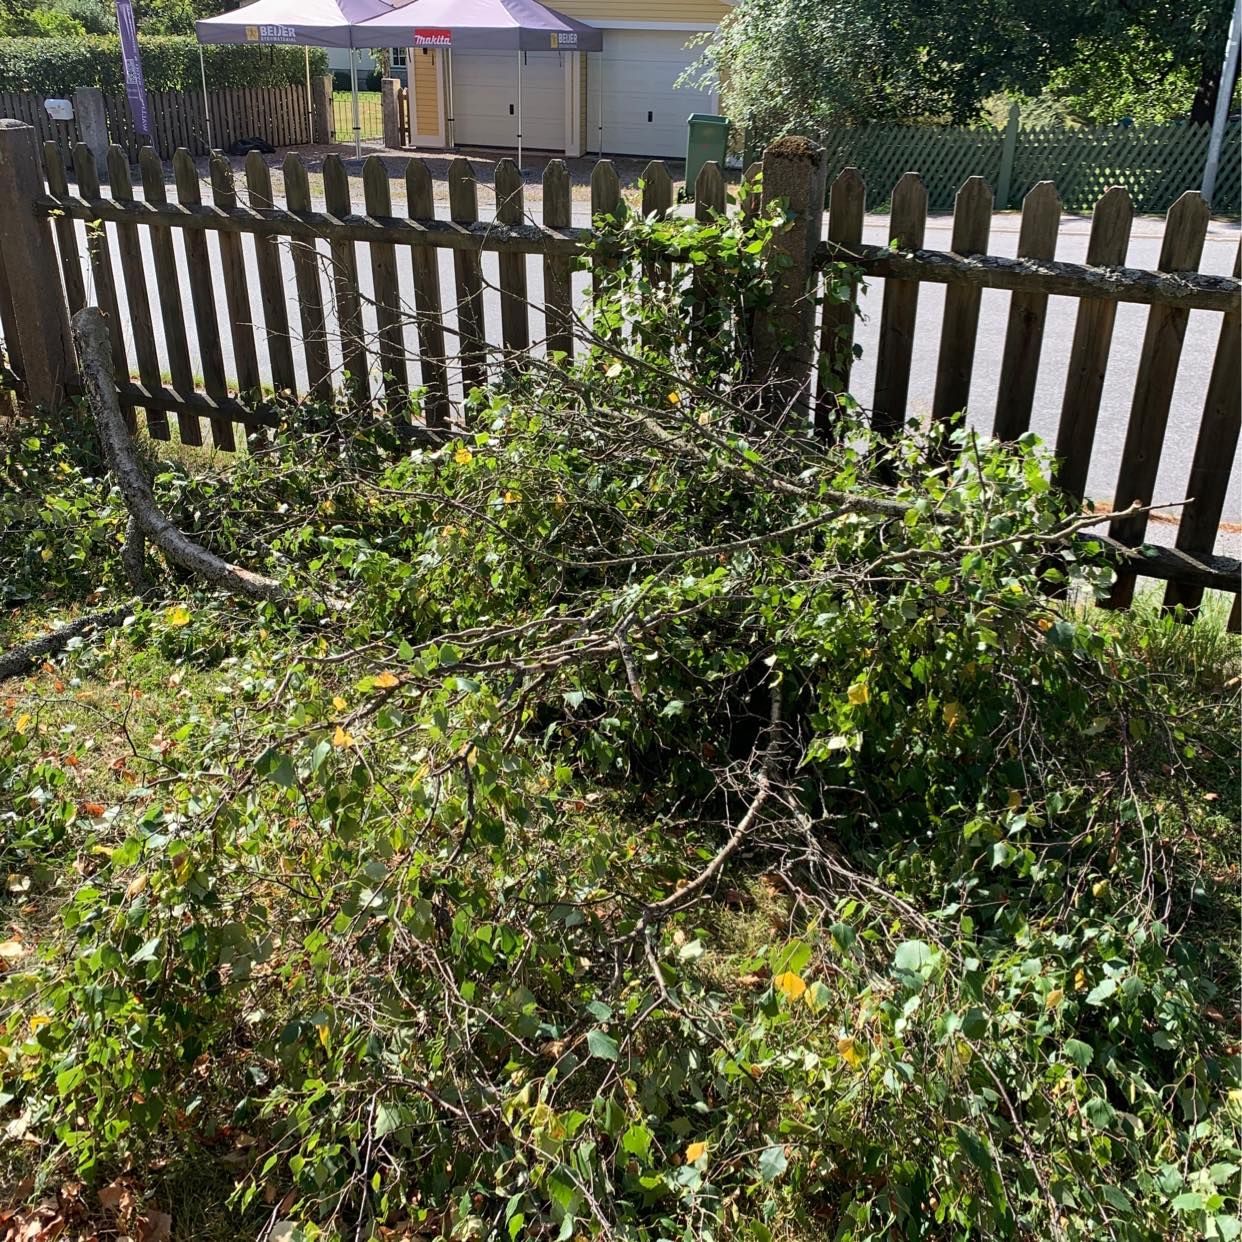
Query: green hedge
x=169 y=63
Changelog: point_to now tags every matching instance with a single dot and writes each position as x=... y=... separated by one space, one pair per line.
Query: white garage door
x=485 y=99
x=644 y=110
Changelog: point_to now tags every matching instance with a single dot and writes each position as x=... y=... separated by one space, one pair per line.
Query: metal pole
x=202 y=70
x=601 y=101
x=310 y=103
x=353 y=82
x=519 y=110
x=1228 y=70
x=450 y=126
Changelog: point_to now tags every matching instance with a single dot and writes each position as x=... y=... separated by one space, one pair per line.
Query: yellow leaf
x=613 y=371
x=1080 y=979
x=22 y=723
x=463 y=456
x=37 y=1020
x=341 y=739
x=136 y=885
x=1099 y=888
x=323 y=1034
x=1053 y=999
x=558 y=500
x=1015 y=799
x=339 y=703
x=386 y=681
x=704 y=419
x=859 y=693
x=511 y=498
x=789 y=985
x=177 y=616
x=674 y=398
x=11 y=950
x=847 y=1046
x=695 y=1151
x=1044 y=624
x=952 y=715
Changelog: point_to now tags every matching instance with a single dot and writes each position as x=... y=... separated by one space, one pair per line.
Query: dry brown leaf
x=153 y=1227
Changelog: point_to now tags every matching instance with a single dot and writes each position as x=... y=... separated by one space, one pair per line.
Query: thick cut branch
x=21 y=659
x=90 y=334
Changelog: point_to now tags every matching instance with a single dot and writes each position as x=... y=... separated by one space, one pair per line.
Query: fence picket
x=468 y=273
x=836 y=330
x=710 y=201
x=168 y=293
x=100 y=256
x=1024 y=335
x=345 y=283
x=424 y=263
x=236 y=288
x=895 y=349
x=66 y=231
x=1184 y=233
x=657 y=201
x=203 y=299
x=271 y=280
x=1093 y=337
x=310 y=287
x=387 y=290
x=605 y=201
x=1208 y=486
x=557 y=283
x=972 y=221
x=134 y=270
x=514 y=312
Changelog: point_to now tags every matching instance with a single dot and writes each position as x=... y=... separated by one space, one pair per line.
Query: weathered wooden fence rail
x=359 y=297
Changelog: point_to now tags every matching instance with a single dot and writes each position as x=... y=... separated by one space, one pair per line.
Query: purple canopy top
x=303 y=23
x=478 y=25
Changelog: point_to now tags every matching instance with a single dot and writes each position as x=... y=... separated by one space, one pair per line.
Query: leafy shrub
x=169 y=62
x=419 y=898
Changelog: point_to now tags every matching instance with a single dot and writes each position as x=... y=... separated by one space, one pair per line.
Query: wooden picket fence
x=27 y=106
x=1155 y=163
x=277 y=114
x=421 y=320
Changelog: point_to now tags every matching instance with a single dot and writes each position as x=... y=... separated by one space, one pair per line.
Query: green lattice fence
x=944 y=158
x=1155 y=163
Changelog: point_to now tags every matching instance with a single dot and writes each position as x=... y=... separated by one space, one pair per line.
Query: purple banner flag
x=135 y=86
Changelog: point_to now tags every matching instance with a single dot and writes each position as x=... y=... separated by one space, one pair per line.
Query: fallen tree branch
x=22 y=658
x=90 y=335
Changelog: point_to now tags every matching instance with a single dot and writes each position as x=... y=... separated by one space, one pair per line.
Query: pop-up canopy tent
x=519 y=26
x=301 y=23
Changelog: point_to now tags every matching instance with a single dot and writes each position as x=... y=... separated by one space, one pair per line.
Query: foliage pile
x=688 y=831
x=169 y=63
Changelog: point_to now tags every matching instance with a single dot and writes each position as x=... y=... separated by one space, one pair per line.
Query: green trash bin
x=707 y=138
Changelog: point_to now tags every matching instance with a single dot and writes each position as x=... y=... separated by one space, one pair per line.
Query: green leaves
x=602 y=1045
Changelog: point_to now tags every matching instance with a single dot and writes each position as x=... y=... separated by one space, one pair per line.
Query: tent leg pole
x=519 y=112
x=353 y=83
x=310 y=103
x=600 y=136
x=202 y=70
x=450 y=121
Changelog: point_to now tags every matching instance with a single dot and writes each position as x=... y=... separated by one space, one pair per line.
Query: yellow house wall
x=655 y=12
x=426 y=119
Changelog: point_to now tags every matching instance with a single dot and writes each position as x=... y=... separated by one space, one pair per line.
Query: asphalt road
x=1199 y=349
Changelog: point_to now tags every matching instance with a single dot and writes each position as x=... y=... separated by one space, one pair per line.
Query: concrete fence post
x=88 y=111
x=321 y=98
x=1004 y=182
x=390 y=105
x=31 y=273
x=795 y=172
